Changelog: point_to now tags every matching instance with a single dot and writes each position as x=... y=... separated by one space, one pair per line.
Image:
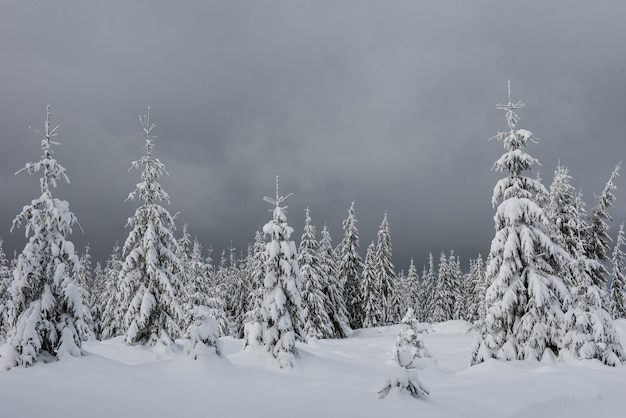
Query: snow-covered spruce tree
x=150 y=276
x=409 y=349
x=281 y=309
x=476 y=288
x=443 y=300
x=315 y=303
x=588 y=328
x=350 y=263
x=85 y=273
x=47 y=314
x=239 y=303
x=95 y=295
x=370 y=290
x=562 y=213
x=458 y=287
x=599 y=238
x=86 y=282
x=414 y=290
x=399 y=301
x=199 y=290
x=618 y=275
x=112 y=321
x=334 y=290
x=201 y=337
x=229 y=278
x=253 y=327
x=525 y=298
x=429 y=287
x=5 y=281
x=385 y=275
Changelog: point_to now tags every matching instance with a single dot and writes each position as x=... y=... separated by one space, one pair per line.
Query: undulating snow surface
x=332 y=378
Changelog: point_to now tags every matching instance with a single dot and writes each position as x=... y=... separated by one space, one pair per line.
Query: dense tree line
x=548 y=284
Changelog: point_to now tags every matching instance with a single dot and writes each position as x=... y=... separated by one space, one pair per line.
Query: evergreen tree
x=525 y=298
x=370 y=291
x=150 y=278
x=241 y=293
x=598 y=241
x=429 y=286
x=618 y=274
x=409 y=349
x=476 y=288
x=281 y=310
x=86 y=282
x=95 y=295
x=334 y=290
x=203 y=290
x=112 y=323
x=253 y=328
x=413 y=289
x=457 y=289
x=385 y=275
x=400 y=298
x=350 y=263
x=315 y=303
x=588 y=328
x=443 y=300
x=47 y=314
x=201 y=338
x=5 y=281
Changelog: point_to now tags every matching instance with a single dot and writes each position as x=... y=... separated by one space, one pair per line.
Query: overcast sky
x=387 y=103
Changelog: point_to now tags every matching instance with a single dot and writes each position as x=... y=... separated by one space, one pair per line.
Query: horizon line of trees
x=545 y=286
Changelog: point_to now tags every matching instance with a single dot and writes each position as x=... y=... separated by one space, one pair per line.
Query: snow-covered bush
x=409 y=348
x=201 y=338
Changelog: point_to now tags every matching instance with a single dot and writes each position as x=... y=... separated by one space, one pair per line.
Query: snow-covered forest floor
x=332 y=378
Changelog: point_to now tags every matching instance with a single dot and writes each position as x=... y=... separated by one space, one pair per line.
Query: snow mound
x=452 y=327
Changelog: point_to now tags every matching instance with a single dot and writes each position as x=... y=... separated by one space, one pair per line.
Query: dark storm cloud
x=390 y=104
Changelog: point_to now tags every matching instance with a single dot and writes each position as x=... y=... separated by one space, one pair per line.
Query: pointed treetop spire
x=278 y=200
x=147 y=129
x=47 y=135
x=511 y=116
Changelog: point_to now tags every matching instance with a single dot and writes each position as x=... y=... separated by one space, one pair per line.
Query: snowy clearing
x=332 y=378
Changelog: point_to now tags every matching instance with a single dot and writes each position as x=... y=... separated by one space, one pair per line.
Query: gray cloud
x=390 y=104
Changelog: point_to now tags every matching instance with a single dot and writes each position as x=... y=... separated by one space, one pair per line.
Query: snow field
x=332 y=378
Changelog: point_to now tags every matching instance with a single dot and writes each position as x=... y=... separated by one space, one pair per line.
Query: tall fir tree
x=458 y=288
x=112 y=322
x=413 y=288
x=282 y=308
x=315 y=303
x=618 y=276
x=348 y=271
x=443 y=300
x=599 y=239
x=5 y=281
x=588 y=328
x=476 y=288
x=370 y=291
x=150 y=278
x=253 y=327
x=337 y=310
x=525 y=297
x=47 y=313
x=429 y=288
x=385 y=274
x=86 y=281
x=95 y=296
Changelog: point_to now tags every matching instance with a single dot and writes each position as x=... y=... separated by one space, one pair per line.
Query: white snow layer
x=331 y=378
